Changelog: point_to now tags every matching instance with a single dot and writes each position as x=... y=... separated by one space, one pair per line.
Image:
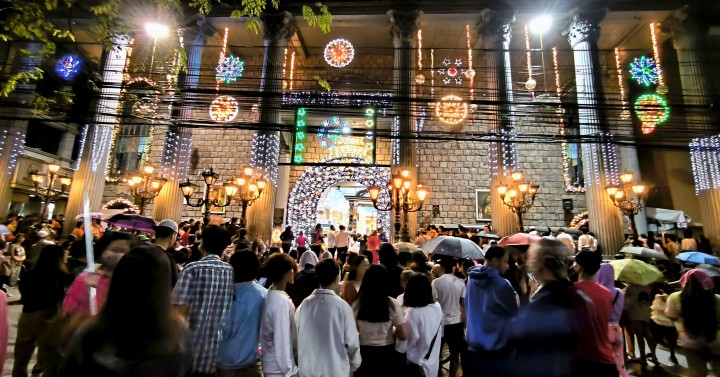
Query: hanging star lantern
x=453 y=73
x=644 y=71
x=68 y=66
x=229 y=69
x=339 y=53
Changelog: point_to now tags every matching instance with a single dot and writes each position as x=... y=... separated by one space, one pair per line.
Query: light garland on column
x=705 y=159
x=222 y=55
x=285 y=83
x=265 y=154
x=18 y=147
x=420 y=78
x=625 y=110
x=3 y=139
x=312 y=183
x=101 y=139
x=509 y=151
x=493 y=158
x=185 y=154
x=432 y=73
x=148 y=145
x=609 y=158
x=395 y=145
x=81 y=148
x=171 y=151
x=662 y=88
x=292 y=69
x=470 y=73
x=530 y=84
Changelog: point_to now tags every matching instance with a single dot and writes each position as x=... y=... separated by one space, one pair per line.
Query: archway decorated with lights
x=309 y=188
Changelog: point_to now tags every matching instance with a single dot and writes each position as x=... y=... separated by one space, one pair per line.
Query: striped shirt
x=206 y=287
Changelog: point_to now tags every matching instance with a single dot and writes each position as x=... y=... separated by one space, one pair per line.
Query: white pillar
x=90 y=176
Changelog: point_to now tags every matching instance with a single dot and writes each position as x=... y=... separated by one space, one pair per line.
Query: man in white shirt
x=342 y=240
x=332 y=240
x=331 y=346
x=566 y=239
x=586 y=242
x=449 y=291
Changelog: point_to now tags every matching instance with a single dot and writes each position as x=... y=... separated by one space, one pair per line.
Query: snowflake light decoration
x=651 y=109
x=644 y=71
x=224 y=109
x=451 y=110
x=339 y=53
x=229 y=69
x=331 y=129
x=68 y=66
x=453 y=72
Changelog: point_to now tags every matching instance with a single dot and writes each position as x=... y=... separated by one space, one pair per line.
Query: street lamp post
x=519 y=195
x=622 y=197
x=144 y=188
x=400 y=199
x=247 y=191
x=209 y=177
x=49 y=193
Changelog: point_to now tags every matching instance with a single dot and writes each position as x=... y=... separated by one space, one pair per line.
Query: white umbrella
x=453 y=246
x=407 y=247
x=643 y=252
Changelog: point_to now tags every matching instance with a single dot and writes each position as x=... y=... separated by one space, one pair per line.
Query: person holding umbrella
x=449 y=291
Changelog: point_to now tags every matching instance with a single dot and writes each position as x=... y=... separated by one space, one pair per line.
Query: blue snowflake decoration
x=68 y=66
x=331 y=129
x=644 y=71
x=229 y=69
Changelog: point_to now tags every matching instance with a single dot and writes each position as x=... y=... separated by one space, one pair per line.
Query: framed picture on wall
x=217 y=192
x=482 y=205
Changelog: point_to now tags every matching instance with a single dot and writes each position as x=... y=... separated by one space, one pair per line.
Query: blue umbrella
x=698 y=258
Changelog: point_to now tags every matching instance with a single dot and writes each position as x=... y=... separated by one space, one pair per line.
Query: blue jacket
x=490 y=305
x=241 y=333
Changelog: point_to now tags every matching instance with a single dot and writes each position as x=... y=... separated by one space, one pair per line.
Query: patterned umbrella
x=635 y=271
x=453 y=246
x=643 y=252
x=698 y=258
x=132 y=222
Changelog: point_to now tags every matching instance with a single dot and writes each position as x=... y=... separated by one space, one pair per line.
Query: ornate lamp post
x=400 y=199
x=49 y=193
x=210 y=177
x=247 y=191
x=519 y=195
x=144 y=187
x=622 y=197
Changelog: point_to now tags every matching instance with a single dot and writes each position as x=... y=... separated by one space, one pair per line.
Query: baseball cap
x=167 y=224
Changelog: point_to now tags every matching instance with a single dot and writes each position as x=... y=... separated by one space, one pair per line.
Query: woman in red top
x=373 y=245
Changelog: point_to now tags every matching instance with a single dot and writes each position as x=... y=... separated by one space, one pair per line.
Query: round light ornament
x=652 y=109
x=451 y=110
x=470 y=74
x=339 y=53
x=530 y=84
x=224 y=109
x=420 y=79
x=662 y=89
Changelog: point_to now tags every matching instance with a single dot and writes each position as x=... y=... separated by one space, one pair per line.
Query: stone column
x=283 y=186
x=605 y=219
x=178 y=140
x=14 y=130
x=494 y=34
x=403 y=29
x=277 y=31
x=90 y=176
x=67 y=142
x=688 y=32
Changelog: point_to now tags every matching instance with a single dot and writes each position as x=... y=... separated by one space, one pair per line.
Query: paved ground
x=634 y=369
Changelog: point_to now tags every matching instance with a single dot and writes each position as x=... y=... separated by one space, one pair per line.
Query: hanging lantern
x=420 y=79
x=339 y=53
x=451 y=110
x=224 y=109
x=470 y=74
x=530 y=84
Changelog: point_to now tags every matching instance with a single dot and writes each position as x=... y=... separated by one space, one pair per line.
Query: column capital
x=584 y=27
x=494 y=27
x=278 y=26
x=119 y=44
x=404 y=25
x=197 y=30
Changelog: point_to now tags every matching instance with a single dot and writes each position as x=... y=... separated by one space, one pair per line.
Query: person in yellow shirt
x=78 y=232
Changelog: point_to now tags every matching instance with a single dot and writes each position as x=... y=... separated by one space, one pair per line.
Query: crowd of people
x=199 y=300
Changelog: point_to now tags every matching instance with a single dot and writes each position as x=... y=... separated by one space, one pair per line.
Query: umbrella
x=93 y=215
x=454 y=247
x=635 y=271
x=643 y=252
x=4 y=231
x=519 y=239
x=698 y=258
x=132 y=222
x=407 y=247
x=489 y=236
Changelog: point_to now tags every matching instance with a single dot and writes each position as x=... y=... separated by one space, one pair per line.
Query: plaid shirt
x=206 y=287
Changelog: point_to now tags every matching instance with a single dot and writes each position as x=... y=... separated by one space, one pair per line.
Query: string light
x=432 y=73
x=3 y=139
x=339 y=53
x=625 y=113
x=530 y=84
x=292 y=69
x=16 y=150
x=662 y=88
x=265 y=154
x=224 y=109
x=222 y=54
x=420 y=78
x=100 y=146
x=284 y=84
x=312 y=183
x=395 y=144
x=171 y=151
x=705 y=158
x=451 y=110
x=379 y=100
x=184 y=154
x=470 y=72
x=567 y=177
